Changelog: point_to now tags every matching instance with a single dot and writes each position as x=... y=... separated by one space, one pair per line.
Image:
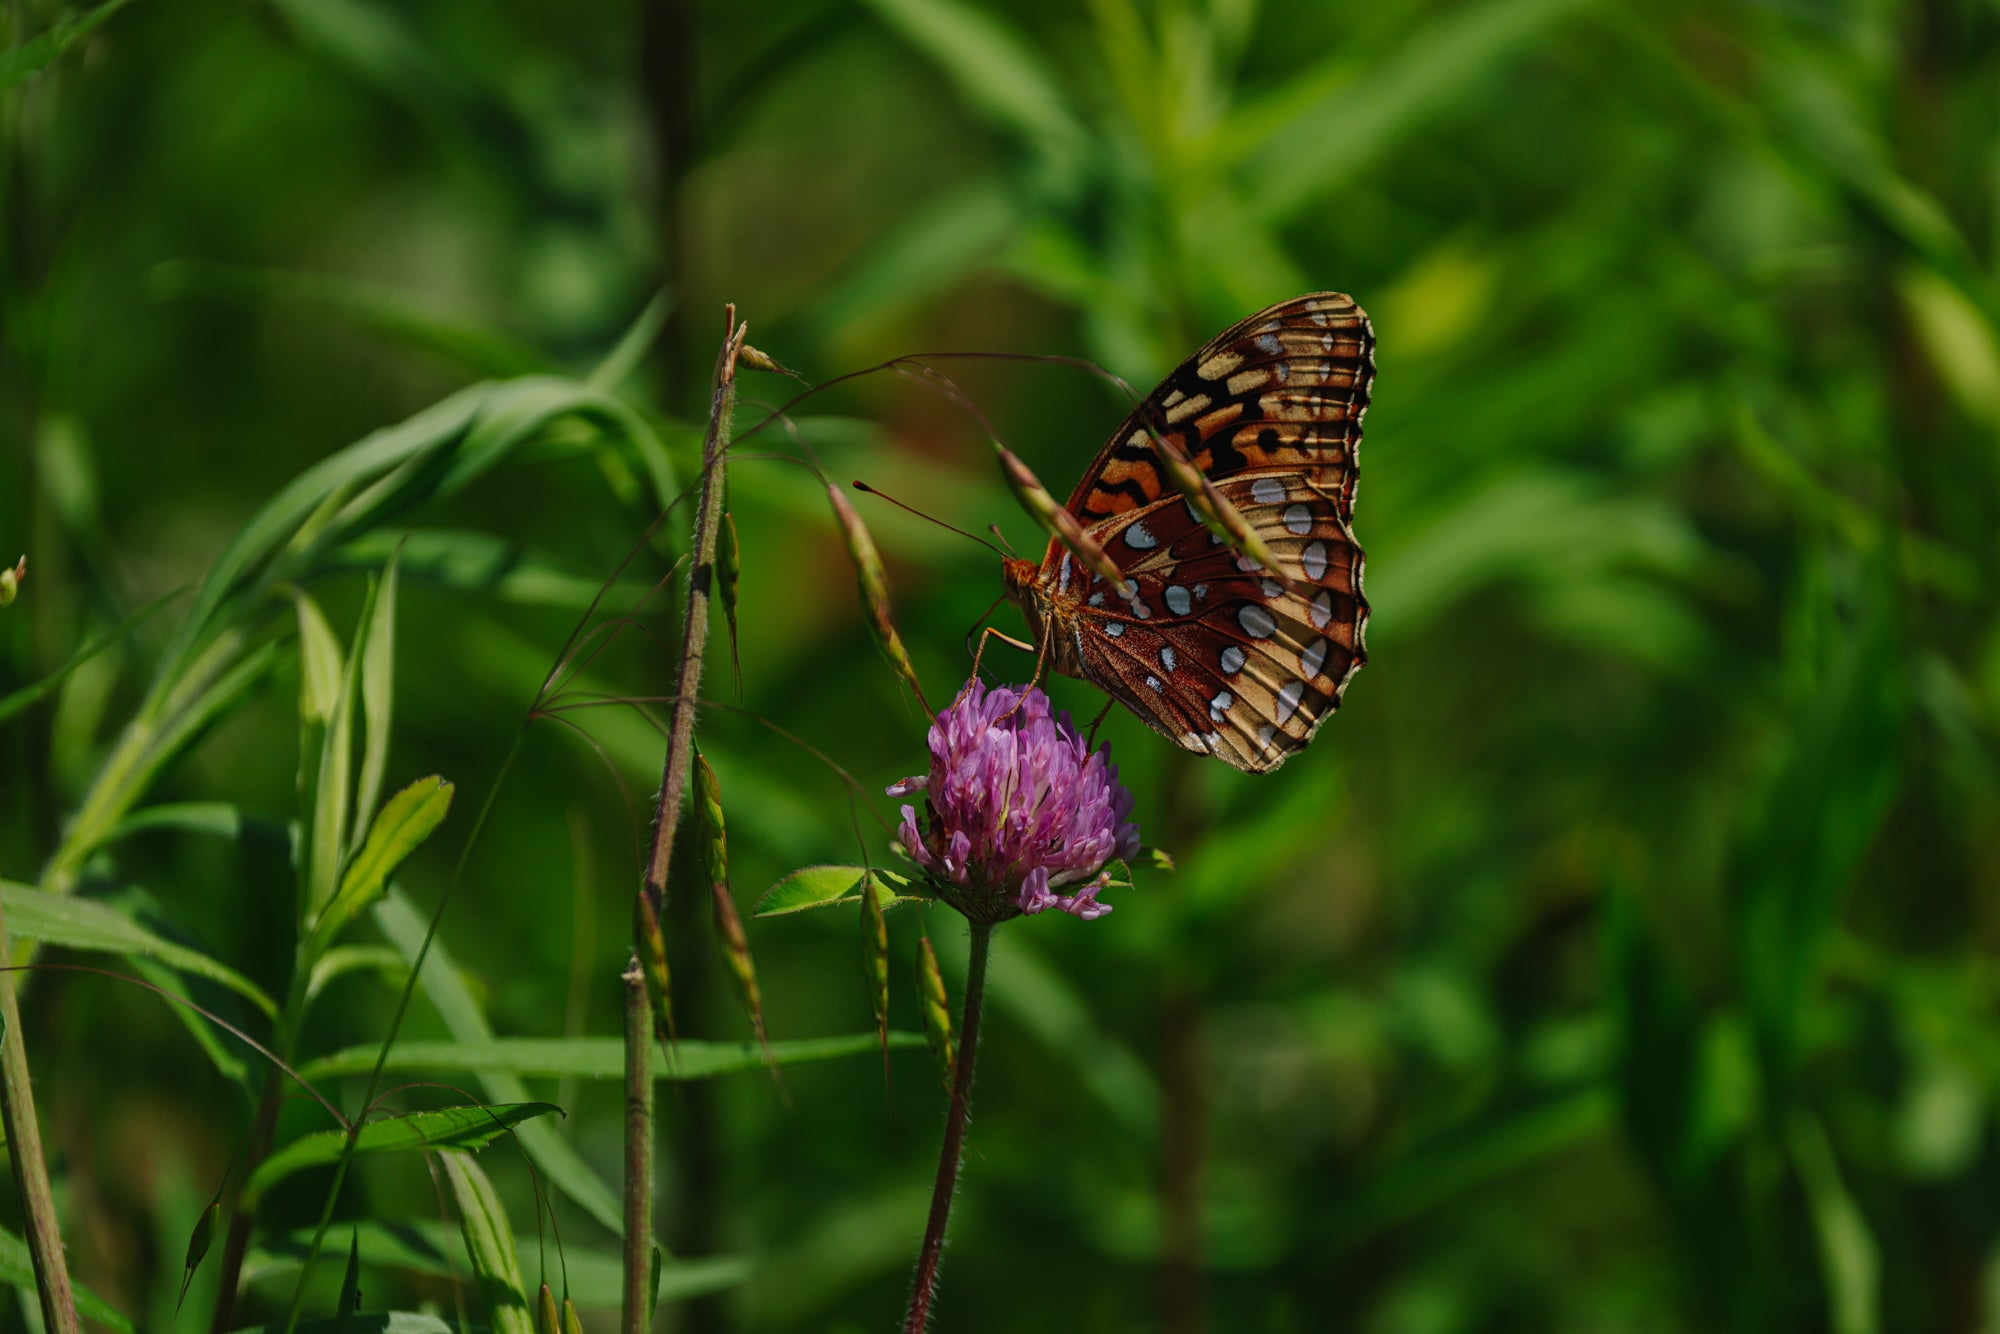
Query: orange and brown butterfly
x=1210 y=649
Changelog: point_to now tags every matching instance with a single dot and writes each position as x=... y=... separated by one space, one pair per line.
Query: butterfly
x=1210 y=649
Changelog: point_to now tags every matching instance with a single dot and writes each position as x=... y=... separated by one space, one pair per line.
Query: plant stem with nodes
x=31 y=1174
x=638 y=1151
x=925 y=1286
x=673 y=785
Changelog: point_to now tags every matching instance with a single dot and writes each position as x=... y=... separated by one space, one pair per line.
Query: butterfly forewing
x=1212 y=650
x=1286 y=386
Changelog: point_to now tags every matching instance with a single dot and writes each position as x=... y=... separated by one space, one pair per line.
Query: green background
x=1618 y=957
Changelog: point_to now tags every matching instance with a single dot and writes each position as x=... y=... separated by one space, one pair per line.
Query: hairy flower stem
x=638 y=1152
x=954 y=1133
x=31 y=1174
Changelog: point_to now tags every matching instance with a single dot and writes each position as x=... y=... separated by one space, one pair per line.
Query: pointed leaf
x=378 y=690
x=489 y=1243
x=445 y=1128
x=407 y=819
x=827 y=886
x=592 y=1058
x=86 y=924
x=349 y=1301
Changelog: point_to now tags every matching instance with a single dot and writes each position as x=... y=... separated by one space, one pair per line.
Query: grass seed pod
x=873 y=581
x=875 y=960
x=936 y=1003
x=1035 y=499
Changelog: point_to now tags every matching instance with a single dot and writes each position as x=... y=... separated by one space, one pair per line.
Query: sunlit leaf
x=829 y=886
x=419 y=1132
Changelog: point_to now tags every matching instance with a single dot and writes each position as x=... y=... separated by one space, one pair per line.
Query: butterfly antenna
x=994 y=529
x=863 y=486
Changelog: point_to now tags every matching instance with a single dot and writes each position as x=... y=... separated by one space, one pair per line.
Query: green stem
x=31 y=1174
x=638 y=1152
x=925 y=1286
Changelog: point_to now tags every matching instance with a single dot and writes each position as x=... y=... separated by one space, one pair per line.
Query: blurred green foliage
x=1617 y=959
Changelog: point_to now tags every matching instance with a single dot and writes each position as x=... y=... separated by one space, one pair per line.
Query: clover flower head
x=1017 y=807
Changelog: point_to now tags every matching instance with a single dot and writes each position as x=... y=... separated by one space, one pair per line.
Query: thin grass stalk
x=694 y=626
x=925 y=1286
x=638 y=1152
x=31 y=1173
x=666 y=817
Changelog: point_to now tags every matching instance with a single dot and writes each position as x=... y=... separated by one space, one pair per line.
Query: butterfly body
x=1215 y=651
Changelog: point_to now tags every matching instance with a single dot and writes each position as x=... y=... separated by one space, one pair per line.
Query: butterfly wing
x=1211 y=651
x=1284 y=389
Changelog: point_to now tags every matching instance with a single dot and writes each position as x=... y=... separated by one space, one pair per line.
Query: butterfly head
x=1022 y=580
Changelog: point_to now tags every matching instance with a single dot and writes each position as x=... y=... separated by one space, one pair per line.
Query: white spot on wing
x=1062 y=574
x=1267 y=491
x=1167 y=656
x=1313 y=658
x=1298 y=519
x=1272 y=588
x=1232 y=659
x=1264 y=735
x=1154 y=682
x=1178 y=601
x=1220 y=704
x=1097 y=599
x=1201 y=592
x=1115 y=629
x=1141 y=610
x=1321 y=610
x=1257 y=621
x=1288 y=700
x=1270 y=343
x=1313 y=560
x=1140 y=538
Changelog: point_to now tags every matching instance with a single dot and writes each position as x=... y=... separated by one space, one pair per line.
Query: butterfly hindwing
x=1212 y=651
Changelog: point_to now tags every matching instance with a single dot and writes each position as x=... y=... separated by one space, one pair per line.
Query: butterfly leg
x=990 y=633
x=1091 y=738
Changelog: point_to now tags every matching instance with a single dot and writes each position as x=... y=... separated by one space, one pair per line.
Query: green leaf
x=469 y=1127
x=1849 y=1257
x=378 y=691
x=830 y=886
x=596 y=1058
x=23 y=62
x=321 y=664
x=489 y=1244
x=17 y=1270
x=344 y=959
x=85 y=924
x=350 y=1286
x=551 y=1153
x=406 y=820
